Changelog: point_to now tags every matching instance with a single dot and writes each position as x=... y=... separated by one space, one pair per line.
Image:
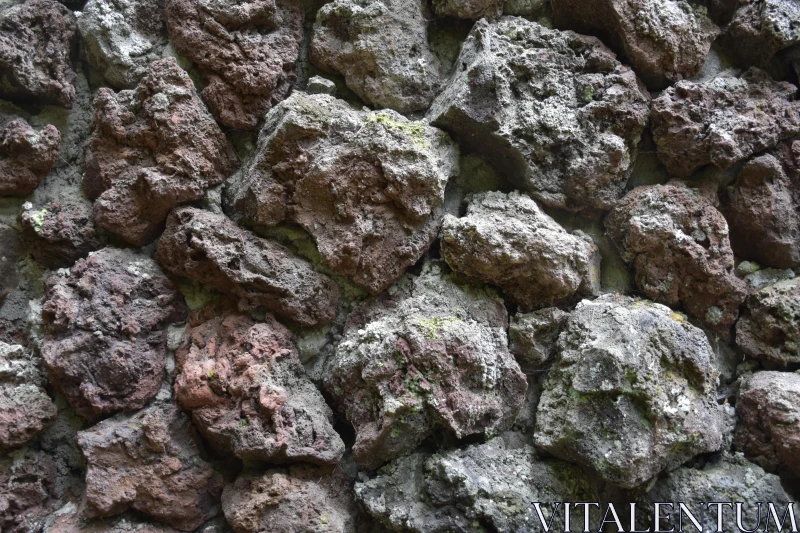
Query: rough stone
x=320 y=85
x=554 y=111
x=10 y=253
x=69 y=520
x=468 y=9
x=106 y=331
x=722 y=120
x=663 y=40
x=367 y=186
x=678 y=244
x=769 y=421
x=212 y=250
x=26 y=156
x=151 y=462
x=430 y=355
x=59 y=233
x=381 y=48
x=770 y=325
x=246 y=51
x=37 y=41
x=151 y=149
x=122 y=37
x=532 y=336
x=632 y=391
x=507 y=240
x=26 y=490
x=25 y=407
x=760 y=29
x=248 y=393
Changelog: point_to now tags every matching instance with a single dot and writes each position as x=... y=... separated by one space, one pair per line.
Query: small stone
x=769 y=328
x=26 y=156
x=59 y=233
x=320 y=85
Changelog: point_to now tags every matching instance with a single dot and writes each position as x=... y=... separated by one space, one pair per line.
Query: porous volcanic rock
x=150 y=461
x=763 y=208
x=770 y=326
x=554 y=111
x=483 y=487
x=10 y=253
x=381 y=48
x=760 y=29
x=151 y=149
x=122 y=37
x=68 y=519
x=26 y=156
x=468 y=9
x=532 y=336
x=246 y=51
x=632 y=391
x=249 y=395
x=212 y=250
x=37 y=41
x=296 y=499
x=663 y=40
x=106 y=330
x=367 y=186
x=507 y=240
x=25 y=407
x=678 y=244
x=27 y=492
x=59 y=233
x=722 y=120
x=769 y=421
x=415 y=360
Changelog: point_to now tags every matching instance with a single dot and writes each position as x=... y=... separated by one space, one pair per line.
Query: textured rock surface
x=532 y=336
x=26 y=490
x=248 y=394
x=150 y=462
x=663 y=40
x=291 y=500
x=760 y=29
x=106 y=338
x=555 y=111
x=367 y=186
x=763 y=208
x=468 y=9
x=26 y=156
x=770 y=326
x=417 y=360
x=59 y=233
x=507 y=240
x=632 y=391
x=25 y=407
x=214 y=251
x=678 y=244
x=10 y=252
x=69 y=520
x=151 y=149
x=769 y=421
x=122 y=37
x=37 y=41
x=484 y=487
x=381 y=48
x=722 y=121
x=246 y=51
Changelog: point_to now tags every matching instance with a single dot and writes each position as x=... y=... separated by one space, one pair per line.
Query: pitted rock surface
x=59 y=233
x=151 y=149
x=507 y=240
x=760 y=29
x=26 y=156
x=11 y=251
x=68 y=519
x=468 y=9
x=632 y=391
x=430 y=355
x=769 y=328
x=38 y=39
x=151 y=462
x=367 y=186
x=554 y=111
x=246 y=51
x=106 y=331
x=26 y=490
x=248 y=393
x=678 y=244
x=722 y=121
x=532 y=336
x=211 y=249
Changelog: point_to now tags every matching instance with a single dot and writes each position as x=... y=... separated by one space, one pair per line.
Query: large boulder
x=678 y=244
x=770 y=325
x=248 y=394
x=59 y=233
x=416 y=360
x=632 y=391
x=26 y=156
x=507 y=240
x=105 y=322
x=367 y=186
x=381 y=48
x=722 y=120
x=37 y=41
x=151 y=149
x=760 y=29
x=151 y=462
x=27 y=490
x=554 y=111
x=246 y=51
x=211 y=249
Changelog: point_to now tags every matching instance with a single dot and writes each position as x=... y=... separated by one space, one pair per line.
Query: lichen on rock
x=769 y=328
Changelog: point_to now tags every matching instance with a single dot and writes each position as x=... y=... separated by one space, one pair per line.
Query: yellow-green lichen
x=413 y=129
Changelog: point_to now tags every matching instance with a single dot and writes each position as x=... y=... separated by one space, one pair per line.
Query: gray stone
x=760 y=29
x=769 y=328
x=320 y=85
x=532 y=336
x=468 y=9
x=767 y=276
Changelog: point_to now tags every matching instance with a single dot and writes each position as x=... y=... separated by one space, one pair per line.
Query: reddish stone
x=59 y=233
x=26 y=156
x=27 y=483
